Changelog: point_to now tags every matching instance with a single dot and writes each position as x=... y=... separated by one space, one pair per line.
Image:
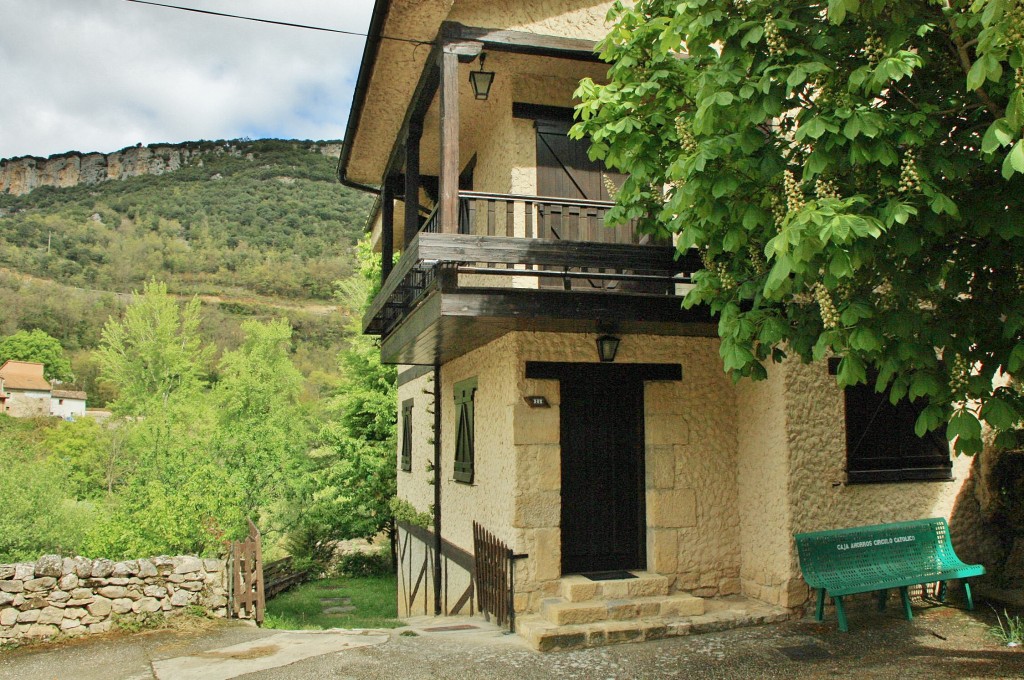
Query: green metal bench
x=880 y=557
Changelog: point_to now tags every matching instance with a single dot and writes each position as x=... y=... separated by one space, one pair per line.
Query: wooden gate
x=245 y=587
x=494 y=577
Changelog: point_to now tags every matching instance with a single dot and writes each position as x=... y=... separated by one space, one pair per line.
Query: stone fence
x=75 y=595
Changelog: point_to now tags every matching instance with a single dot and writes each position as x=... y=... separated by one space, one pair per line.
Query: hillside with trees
x=213 y=311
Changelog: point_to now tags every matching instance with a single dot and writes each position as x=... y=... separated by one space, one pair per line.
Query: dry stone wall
x=75 y=595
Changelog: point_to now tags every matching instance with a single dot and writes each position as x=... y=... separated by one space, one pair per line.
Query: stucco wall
x=70 y=408
x=416 y=485
x=574 y=18
x=818 y=496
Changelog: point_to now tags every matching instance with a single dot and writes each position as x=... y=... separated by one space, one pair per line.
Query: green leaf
x=929 y=419
x=1017 y=156
x=999 y=414
x=963 y=424
x=851 y=371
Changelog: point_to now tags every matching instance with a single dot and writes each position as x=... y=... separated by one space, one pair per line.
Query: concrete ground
x=941 y=642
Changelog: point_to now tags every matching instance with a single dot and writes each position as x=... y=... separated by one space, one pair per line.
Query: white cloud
x=99 y=75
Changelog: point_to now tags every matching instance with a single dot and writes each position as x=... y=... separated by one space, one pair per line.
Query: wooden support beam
x=387 y=233
x=448 y=204
x=522 y=42
x=412 y=180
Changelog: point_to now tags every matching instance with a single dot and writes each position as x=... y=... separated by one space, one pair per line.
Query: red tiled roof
x=23 y=375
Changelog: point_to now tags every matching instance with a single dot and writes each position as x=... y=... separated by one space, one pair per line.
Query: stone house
x=28 y=392
x=646 y=459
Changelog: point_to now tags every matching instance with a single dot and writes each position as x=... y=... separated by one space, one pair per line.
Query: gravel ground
x=941 y=642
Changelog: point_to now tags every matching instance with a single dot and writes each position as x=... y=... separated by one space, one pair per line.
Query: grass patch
x=373 y=597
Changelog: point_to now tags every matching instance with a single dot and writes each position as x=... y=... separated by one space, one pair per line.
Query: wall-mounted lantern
x=607 y=346
x=481 y=80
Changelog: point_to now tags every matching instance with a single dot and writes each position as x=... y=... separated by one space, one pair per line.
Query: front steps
x=595 y=613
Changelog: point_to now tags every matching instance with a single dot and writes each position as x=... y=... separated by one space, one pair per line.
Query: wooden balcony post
x=387 y=233
x=412 y=181
x=448 y=208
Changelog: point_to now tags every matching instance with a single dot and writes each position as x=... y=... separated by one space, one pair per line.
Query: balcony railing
x=523 y=216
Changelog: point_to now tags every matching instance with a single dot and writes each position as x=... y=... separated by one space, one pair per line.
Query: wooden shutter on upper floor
x=406 y=458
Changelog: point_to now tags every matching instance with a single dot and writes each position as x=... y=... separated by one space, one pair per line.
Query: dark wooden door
x=603 y=504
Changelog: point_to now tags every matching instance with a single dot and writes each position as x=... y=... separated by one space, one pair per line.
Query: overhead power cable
x=277 y=23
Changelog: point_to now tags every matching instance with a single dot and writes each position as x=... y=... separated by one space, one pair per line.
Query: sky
x=100 y=75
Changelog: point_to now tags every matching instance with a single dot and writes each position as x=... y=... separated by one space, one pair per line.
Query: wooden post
x=448 y=208
x=412 y=181
x=438 y=544
x=387 y=234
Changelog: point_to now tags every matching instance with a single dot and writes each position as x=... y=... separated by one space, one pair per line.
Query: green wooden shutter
x=407 y=435
x=465 y=391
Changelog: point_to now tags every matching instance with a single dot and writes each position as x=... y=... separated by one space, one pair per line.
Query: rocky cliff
x=21 y=175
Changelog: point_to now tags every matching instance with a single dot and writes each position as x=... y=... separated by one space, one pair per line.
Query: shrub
x=358 y=564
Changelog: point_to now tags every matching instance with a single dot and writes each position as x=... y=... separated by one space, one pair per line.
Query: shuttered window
x=406 y=459
x=465 y=392
x=881 y=445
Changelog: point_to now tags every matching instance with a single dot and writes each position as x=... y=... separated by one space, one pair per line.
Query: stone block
x=70 y=624
x=672 y=508
x=146 y=569
x=547 y=554
x=68 y=582
x=620 y=610
x=102 y=568
x=648 y=606
x=216 y=601
x=615 y=590
x=101 y=627
x=540 y=467
x=623 y=632
x=29 y=616
x=666 y=429
x=578 y=588
x=51 y=615
x=6 y=598
x=39 y=584
x=12 y=586
x=74 y=613
x=50 y=565
x=37 y=630
x=212 y=565
x=118 y=581
x=36 y=602
x=681 y=604
x=176 y=578
x=537 y=509
x=182 y=598
x=146 y=605
x=9 y=616
x=127 y=568
x=187 y=564
x=729 y=586
x=81 y=594
x=573 y=613
x=663 y=550
x=661 y=467
x=6 y=572
x=83 y=567
x=121 y=606
x=59 y=596
x=89 y=619
x=535 y=425
x=23 y=571
x=648 y=585
x=101 y=607
x=164 y=564
x=705 y=592
x=113 y=592
x=192 y=586
x=154 y=591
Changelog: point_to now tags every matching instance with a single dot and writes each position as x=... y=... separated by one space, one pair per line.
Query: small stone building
x=551 y=389
x=28 y=392
x=67 y=404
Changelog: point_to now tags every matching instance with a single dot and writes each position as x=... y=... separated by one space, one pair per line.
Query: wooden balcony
x=527 y=263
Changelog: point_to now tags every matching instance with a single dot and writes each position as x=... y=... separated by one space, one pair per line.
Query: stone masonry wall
x=75 y=595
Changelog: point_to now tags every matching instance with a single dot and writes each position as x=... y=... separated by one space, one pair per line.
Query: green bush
x=360 y=564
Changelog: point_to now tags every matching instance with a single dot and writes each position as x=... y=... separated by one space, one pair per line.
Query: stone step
x=560 y=612
x=576 y=588
x=544 y=636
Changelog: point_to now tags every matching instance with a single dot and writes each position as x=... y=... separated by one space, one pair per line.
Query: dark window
x=407 y=435
x=881 y=445
x=465 y=391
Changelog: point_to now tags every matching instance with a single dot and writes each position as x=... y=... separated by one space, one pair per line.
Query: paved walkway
x=941 y=642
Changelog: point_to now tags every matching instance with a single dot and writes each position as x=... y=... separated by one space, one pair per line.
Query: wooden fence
x=494 y=577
